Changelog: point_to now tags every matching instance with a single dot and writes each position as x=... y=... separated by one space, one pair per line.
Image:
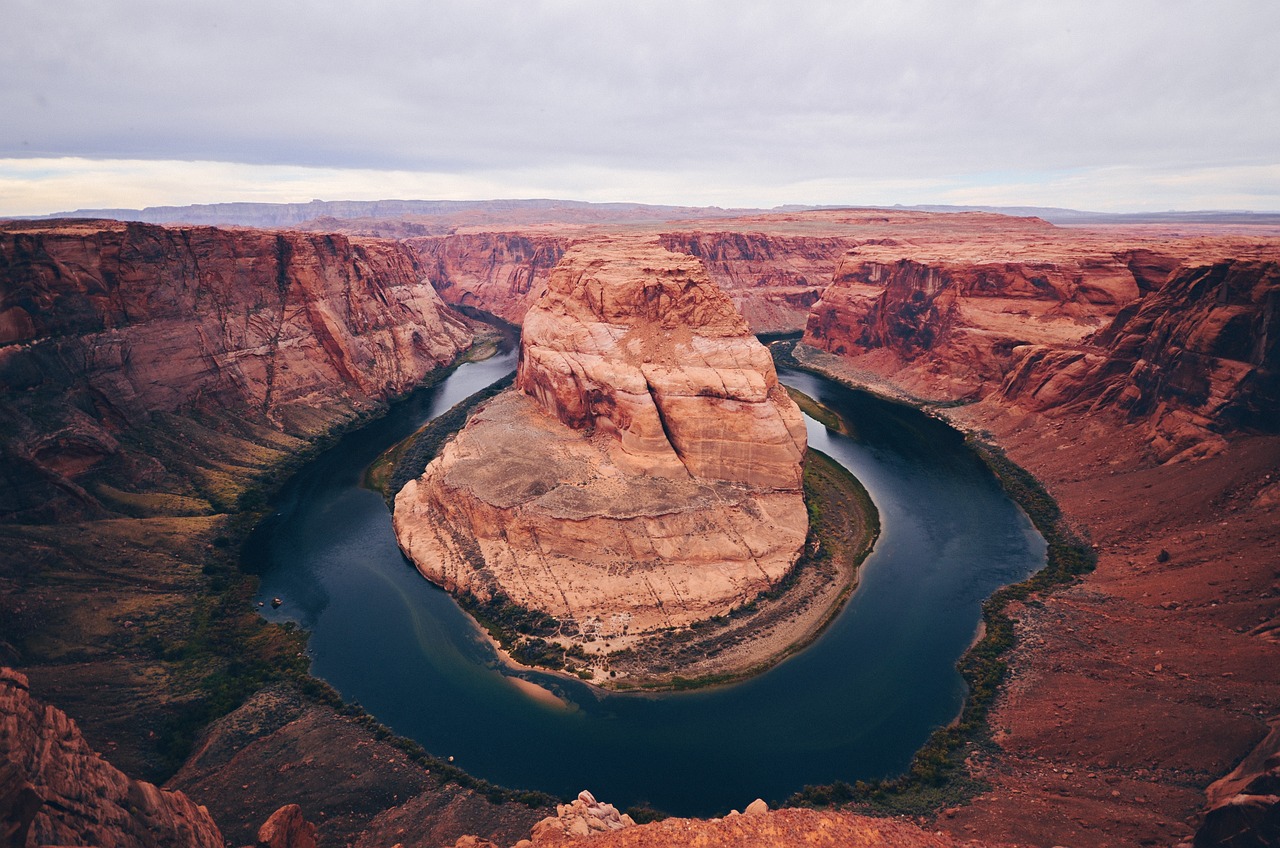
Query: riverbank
x=844 y=526
x=938 y=775
x=1129 y=689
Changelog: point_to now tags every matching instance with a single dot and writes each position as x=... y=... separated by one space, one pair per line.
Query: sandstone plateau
x=646 y=471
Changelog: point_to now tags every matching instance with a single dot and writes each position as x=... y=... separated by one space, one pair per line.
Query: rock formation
x=814 y=828
x=59 y=792
x=1186 y=345
x=1244 y=806
x=287 y=828
x=584 y=816
x=358 y=787
x=958 y=317
x=1196 y=359
x=104 y=326
x=500 y=273
x=645 y=474
x=772 y=279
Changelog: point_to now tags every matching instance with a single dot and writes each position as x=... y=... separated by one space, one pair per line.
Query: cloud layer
x=1124 y=106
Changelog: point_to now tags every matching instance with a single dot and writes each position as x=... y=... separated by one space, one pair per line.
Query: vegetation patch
x=817 y=411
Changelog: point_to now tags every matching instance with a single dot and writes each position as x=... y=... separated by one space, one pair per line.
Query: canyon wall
x=105 y=328
x=1187 y=345
x=956 y=320
x=1195 y=360
x=772 y=279
x=500 y=273
x=644 y=474
x=55 y=790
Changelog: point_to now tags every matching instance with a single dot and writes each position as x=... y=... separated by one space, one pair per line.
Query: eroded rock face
x=961 y=317
x=1199 y=358
x=640 y=344
x=287 y=828
x=104 y=325
x=500 y=273
x=82 y=798
x=773 y=279
x=645 y=474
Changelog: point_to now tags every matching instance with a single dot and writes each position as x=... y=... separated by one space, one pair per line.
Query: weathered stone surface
x=501 y=273
x=584 y=817
x=1244 y=806
x=959 y=316
x=636 y=341
x=357 y=788
x=772 y=278
x=105 y=325
x=1196 y=359
x=287 y=828
x=819 y=829
x=647 y=476
x=85 y=800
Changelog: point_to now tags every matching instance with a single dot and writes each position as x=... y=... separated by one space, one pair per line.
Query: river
x=854 y=705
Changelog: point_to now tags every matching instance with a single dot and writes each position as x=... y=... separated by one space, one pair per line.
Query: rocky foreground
x=646 y=471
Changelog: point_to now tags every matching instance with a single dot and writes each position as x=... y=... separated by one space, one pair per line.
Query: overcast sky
x=1109 y=106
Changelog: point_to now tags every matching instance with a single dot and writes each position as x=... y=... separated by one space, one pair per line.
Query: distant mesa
x=644 y=473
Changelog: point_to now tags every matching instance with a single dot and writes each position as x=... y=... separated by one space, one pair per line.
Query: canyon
x=156 y=378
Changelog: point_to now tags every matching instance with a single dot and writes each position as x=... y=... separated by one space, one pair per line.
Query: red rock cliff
x=773 y=279
x=105 y=325
x=500 y=273
x=961 y=316
x=1197 y=358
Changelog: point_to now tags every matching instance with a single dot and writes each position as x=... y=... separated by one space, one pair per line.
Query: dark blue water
x=854 y=705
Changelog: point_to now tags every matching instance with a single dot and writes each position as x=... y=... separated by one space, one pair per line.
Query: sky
x=1141 y=105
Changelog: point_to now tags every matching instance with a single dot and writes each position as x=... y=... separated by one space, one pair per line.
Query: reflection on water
x=854 y=705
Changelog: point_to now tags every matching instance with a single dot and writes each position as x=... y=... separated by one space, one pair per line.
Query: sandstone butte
x=644 y=473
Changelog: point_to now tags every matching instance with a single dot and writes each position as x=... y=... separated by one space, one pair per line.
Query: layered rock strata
x=960 y=317
x=67 y=795
x=1195 y=360
x=104 y=326
x=644 y=474
x=773 y=279
x=500 y=273
x=1187 y=346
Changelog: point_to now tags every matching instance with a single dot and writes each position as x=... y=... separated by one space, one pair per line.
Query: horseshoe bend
x=159 y=382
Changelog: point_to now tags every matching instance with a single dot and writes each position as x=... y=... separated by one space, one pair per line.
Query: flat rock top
x=515 y=454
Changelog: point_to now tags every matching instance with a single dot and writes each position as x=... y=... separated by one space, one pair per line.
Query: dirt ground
x=1137 y=687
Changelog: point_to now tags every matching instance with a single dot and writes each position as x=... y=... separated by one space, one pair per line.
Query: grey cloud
x=805 y=90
